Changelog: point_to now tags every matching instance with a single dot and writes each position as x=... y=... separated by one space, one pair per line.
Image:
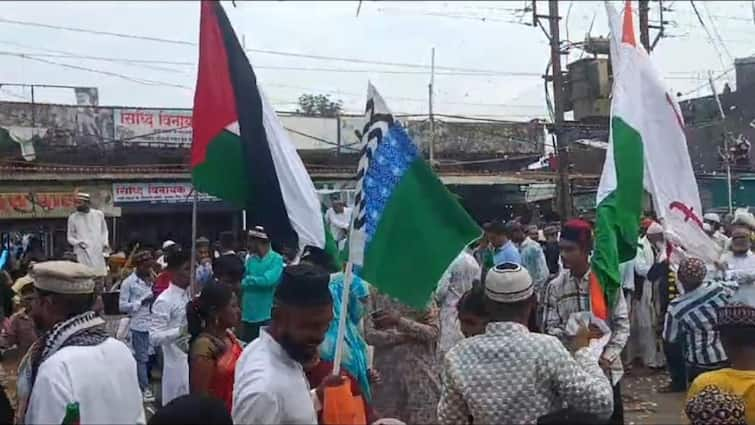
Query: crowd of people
x=507 y=337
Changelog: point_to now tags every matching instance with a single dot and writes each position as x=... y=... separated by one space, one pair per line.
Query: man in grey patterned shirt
x=509 y=375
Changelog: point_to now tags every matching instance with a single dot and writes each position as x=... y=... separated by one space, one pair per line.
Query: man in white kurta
x=168 y=328
x=458 y=279
x=338 y=218
x=88 y=234
x=646 y=317
x=739 y=265
x=80 y=363
x=270 y=385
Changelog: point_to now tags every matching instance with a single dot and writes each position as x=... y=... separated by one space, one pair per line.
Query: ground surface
x=643 y=404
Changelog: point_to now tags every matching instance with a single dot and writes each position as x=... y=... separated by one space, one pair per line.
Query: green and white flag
x=407 y=227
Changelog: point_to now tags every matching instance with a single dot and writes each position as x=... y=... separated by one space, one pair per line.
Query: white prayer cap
x=744 y=217
x=167 y=244
x=655 y=229
x=508 y=283
x=712 y=217
x=63 y=277
x=81 y=196
x=258 y=233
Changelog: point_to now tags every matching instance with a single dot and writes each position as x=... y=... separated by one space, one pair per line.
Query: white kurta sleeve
x=160 y=330
x=256 y=407
x=104 y=234
x=51 y=394
x=72 y=234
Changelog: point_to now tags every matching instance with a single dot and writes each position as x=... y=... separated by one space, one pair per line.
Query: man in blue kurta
x=504 y=250
x=263 y=271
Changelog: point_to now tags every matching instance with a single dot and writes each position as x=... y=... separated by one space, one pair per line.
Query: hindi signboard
x=172 y=192
x=38 y=203
x=153 y=126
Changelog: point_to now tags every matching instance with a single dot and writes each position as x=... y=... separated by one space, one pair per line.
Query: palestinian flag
x=619 y=199
x=240 y=152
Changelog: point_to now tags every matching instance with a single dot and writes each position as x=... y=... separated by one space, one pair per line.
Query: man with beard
x=75 y=363
x=88 y=234
x=270 y=385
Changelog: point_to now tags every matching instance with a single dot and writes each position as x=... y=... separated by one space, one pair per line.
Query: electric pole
x=564 y=186
x=644 y=9
x=431 y=147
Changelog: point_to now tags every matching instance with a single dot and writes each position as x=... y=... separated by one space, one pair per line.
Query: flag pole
x=340 y=338
x=192 y=276
x=726 y=139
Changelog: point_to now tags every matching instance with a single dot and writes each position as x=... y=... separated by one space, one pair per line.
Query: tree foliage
x=319 y=105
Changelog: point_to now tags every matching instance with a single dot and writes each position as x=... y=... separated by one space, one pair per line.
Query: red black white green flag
x=240 y=151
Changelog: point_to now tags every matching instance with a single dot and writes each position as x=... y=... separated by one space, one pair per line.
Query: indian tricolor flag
x=240 y=151
x=619 y=202
x=647 y=149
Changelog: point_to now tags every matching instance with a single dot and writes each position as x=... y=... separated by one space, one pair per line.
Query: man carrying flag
x=572 y=293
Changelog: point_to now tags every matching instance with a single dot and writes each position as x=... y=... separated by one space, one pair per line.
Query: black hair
x=192 y=409
x=508 y=312
x=737 y=336
x=228 y=265
x=473 y=302
x=319 y=257
x=227 y=240
x=511 y=227
x=304 y=285
x=177 y=258
x=213 y=297
x=496 y=228
x=71 y=304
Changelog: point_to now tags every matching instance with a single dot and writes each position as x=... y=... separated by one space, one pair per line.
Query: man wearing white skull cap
x=535 y=377
x=88 y=234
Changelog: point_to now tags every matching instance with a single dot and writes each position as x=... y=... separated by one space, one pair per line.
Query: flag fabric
x=647 y=151
x=668 y=175
x=240 y=151
x=619 y=199
x=407 y=227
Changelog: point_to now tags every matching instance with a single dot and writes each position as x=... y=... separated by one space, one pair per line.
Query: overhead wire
x=716 y=33
x=707 y=31
x=275 y=67
x=264 y=51
x=141 y=81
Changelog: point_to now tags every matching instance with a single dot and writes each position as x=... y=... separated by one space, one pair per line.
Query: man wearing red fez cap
x=569 y=294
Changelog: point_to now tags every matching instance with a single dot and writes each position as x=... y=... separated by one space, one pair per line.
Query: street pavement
x=643 y=404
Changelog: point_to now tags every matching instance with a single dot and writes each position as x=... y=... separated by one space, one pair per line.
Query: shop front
x=158 y=211
x=39 y=213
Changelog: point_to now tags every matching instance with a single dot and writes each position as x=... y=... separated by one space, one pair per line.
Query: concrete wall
x=114 y=134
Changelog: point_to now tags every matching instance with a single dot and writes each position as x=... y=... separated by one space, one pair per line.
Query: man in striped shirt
x=692 y=316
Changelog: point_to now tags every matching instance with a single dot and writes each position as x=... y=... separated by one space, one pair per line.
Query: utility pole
x=564 y=192
x=431 y=147
x=661 y=27
x=644 y=9
x=727 y=157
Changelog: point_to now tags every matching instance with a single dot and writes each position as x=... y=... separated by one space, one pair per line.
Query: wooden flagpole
x=192 y=277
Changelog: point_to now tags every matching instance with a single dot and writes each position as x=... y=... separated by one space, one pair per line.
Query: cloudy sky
x=488 y=62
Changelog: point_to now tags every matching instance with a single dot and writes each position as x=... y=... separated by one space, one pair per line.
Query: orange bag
x=340 y=407
x=597 y=298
